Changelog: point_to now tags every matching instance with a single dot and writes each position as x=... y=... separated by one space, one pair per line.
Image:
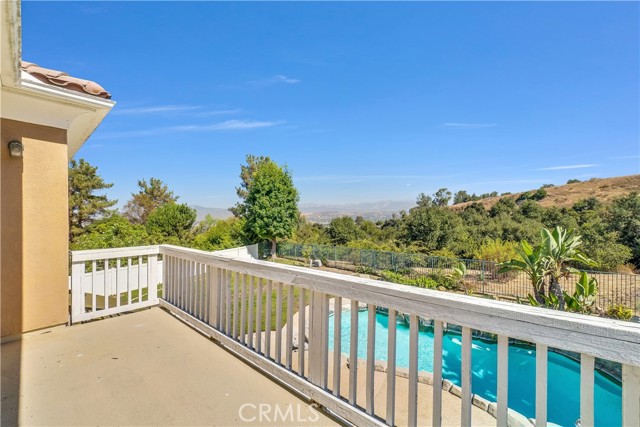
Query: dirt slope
x=604 y=189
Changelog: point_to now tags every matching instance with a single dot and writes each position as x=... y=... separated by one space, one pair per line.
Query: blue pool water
x=563 y=373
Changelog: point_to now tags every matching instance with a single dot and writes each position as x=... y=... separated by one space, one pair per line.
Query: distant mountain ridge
x=383 y=205
x=217 y=213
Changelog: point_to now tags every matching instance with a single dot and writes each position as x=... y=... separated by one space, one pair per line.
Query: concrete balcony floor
x=145 y=368
x=149 y=368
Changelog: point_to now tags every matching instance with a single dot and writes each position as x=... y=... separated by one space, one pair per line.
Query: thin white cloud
x=156 y=109
x=229 y=125
x=218 y=112
x=557 y=168
x=284 y=79
x=468 y=125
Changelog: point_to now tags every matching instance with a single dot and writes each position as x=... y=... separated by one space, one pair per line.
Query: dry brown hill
x=604 y=189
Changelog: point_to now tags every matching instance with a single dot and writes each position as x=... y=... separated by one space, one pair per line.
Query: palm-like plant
x=560 y=248
x=533 y=264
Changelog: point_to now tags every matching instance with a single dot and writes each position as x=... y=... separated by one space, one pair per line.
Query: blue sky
x=362 y=101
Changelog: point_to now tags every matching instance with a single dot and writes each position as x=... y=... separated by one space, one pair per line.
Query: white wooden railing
x=111 y=281
x=224 y=298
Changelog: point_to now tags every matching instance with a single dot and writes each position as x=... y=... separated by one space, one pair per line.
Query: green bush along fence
x=482 y=278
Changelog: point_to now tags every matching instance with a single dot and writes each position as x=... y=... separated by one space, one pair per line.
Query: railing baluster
x=210 y=316
x=206 y=289
x=324 y=315
x=129 y=280
x=267 y=320
x=179 y=279
x=301 y=330
x=586 y=390
x=172 y=289
x=195 y=286
x=117 y=282
x=259 y=317
x=353 y=354
x=250 y=323
x=236 y=290
x=93 y=287
x=180 y=282
x=391 y=367
x=278 y=323
x=466 y=377
x=186 y=277
x=139 y=277
x=107 y=287
x=209 y=297
x=199 y=290
x=371 y=348
x=243 y=309
x=193 y=282
x=337 y=344
x=289 y=343
x=413 y=372
x=222 y=303
x=176 y=281
x=630 y=395
x=541 y=385
x=437 y=374
x=503 y=380
x=229 y=292
x=152 y=278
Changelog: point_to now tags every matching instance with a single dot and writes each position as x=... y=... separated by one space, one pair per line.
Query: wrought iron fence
x=482 y=277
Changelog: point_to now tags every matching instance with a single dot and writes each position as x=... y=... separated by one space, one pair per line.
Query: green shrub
x=539 y=194
x=443 y=281
x=496 y=250
x=420 y=281
x=619 y=311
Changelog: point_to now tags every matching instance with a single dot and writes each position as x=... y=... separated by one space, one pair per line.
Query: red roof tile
x=62 y=79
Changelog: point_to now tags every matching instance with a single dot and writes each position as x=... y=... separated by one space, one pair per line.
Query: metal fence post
x=482 y=275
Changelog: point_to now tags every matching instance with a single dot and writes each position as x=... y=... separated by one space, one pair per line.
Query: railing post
x=152 y=283
x=317 y=340
x=77 y=291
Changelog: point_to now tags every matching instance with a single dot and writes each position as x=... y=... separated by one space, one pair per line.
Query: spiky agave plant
x=560 y=248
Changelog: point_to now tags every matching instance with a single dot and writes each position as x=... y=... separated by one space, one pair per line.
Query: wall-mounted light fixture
x=16 y=148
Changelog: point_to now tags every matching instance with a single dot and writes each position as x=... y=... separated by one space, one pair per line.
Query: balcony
x=283 y=323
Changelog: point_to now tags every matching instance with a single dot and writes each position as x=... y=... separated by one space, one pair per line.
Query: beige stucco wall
x=33 y=229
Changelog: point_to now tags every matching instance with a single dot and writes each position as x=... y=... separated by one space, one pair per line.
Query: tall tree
x=246 y=177
x=85 y=207
x=151 y=196
x=271 y=205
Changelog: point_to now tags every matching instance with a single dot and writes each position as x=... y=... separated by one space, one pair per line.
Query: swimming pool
x=563 y=389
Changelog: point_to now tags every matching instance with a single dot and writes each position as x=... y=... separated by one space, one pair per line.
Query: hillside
x=604 y=189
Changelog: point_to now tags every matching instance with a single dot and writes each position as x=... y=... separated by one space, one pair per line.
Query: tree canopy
x=247 y=172
x=271 y=205
x=85 y=205
x=172 y=222
x=152 y=195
